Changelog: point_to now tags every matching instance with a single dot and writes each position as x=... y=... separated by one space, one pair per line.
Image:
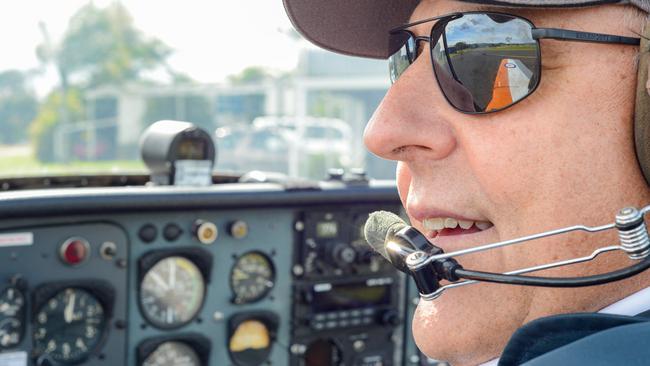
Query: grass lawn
x=25 y=165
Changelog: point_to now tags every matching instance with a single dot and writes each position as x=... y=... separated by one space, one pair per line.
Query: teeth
x=450 y=223
x=483 y=225
x=439 y=223
x=465 y=224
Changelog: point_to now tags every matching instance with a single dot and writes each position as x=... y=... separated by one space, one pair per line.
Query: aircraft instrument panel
x=239 y=274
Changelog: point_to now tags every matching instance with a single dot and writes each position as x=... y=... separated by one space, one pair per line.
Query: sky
x=211 y=38
x=482 y=29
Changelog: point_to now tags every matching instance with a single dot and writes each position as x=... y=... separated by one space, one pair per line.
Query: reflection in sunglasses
x=510 y=85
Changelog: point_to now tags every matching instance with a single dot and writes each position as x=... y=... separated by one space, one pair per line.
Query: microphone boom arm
x=429 y=265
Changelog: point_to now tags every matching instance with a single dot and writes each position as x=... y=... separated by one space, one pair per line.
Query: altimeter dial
x=69 y=326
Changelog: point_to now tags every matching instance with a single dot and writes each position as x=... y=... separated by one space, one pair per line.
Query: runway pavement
x=477 y=69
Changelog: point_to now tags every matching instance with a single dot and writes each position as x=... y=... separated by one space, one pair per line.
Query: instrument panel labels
x=13 y=359
x=193 y=173
x=16 y=239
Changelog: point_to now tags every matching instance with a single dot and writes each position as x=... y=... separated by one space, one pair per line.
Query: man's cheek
x=424 y=328
x=403 y=176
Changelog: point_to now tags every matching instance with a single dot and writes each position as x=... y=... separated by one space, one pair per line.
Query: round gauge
x=69 y=326
x=322 y=352
x=250 y=343
x=172 y=292
x=12 y=302
x=251 y=278
x=172 y=354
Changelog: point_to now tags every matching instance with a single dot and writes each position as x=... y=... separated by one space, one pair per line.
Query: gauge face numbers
x=172 y=354
x=69 y=326
x=172 y=292
x=12 y=304
x=251 y=278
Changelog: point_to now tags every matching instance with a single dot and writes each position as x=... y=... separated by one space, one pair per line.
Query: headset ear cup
x=642 y=106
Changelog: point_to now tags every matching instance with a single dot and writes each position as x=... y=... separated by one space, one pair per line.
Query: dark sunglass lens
x=399 y=61
x=486 y=62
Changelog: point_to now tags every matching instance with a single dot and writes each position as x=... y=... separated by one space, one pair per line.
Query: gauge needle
x=172 y=274
x=69 y=308
x=159 y=280
x=240 y=275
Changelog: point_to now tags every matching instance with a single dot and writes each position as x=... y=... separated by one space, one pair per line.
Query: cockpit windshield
x=81 y=80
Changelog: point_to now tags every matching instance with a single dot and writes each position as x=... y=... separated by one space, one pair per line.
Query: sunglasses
x=484 y=62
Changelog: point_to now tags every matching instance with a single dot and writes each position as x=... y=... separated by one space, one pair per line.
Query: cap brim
x=360 y=27
x=351 y=27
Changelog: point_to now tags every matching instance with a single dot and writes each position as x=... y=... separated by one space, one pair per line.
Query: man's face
x=561 y=157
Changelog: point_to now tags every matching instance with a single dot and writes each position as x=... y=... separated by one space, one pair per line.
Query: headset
x=642 y=106
x=410 y=251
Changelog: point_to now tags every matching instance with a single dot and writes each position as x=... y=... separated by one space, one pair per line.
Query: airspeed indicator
x=172 y=292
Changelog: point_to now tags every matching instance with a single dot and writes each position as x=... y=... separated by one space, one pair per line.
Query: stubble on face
x=537 y=166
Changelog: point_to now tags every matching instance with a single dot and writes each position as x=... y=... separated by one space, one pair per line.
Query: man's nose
x=412 y=121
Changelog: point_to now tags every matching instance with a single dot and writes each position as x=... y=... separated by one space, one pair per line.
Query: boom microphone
x=410 y=252
x=391 y=237
x=380 y=226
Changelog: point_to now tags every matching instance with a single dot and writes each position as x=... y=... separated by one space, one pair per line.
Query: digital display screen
x=345 y=297
x=327 y=229
x=191 y=149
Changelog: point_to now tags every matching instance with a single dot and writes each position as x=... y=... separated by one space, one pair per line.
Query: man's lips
x=455 y=231
x=451 y=240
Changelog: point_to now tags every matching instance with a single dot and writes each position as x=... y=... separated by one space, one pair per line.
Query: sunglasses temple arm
x=571 y=35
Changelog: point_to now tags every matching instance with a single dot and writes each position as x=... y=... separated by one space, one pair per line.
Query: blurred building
x=324 y=85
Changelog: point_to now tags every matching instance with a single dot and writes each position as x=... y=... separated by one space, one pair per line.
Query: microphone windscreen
x=379 y=225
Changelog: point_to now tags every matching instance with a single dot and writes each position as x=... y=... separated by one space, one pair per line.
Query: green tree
x=103 y=46
x=250 y=74
x=44 y=126
x=461 y=46
x=18 y=107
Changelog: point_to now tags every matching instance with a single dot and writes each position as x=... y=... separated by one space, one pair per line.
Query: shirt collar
x=631 y=305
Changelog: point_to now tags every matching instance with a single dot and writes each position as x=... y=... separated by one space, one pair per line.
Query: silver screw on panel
x=299 y=226
x=298 y=270
x=217 y=316
x=298 y=349
x=359 y=345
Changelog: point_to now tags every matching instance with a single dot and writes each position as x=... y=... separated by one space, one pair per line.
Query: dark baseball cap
x=360 y=27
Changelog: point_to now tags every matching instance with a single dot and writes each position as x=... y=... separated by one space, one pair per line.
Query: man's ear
x=642 y=105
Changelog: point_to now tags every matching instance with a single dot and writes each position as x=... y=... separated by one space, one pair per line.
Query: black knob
x=365 y=256
x=172 y=231
x=148 y=233
x=390 y=317
x=343 y=254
